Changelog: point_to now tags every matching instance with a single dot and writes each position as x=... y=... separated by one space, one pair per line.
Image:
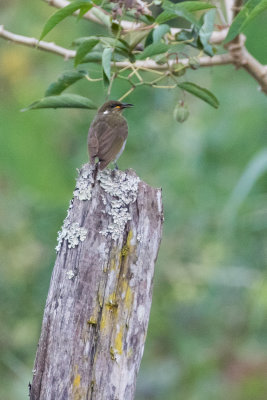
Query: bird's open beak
x=126 y=105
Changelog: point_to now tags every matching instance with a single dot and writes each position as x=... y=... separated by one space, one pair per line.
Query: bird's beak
x=126 y=105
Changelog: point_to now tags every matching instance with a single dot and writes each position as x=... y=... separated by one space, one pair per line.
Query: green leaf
x=189 y=37
x=202 y=93
x=85 y=48
x=61 y=14
x=152 y=50
x=240 y=20
x=106 y=60
x=165 y=16
x=206 y=31
x=262 y=6
x=104 y=18
x=94 y=56
x=185 y=9
x=83 y=10
x=105 y=40
x=190 y=6
x=135 y=37
x=160 y=31
x=64 y=81
x=62 y=101
x=149 y=38
x=147 y=19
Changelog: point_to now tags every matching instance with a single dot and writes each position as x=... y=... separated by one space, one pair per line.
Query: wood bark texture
x=97 y=310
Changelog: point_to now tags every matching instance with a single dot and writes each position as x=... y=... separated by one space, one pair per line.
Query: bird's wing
x=109 y=153
x=109 y=137
x=93 y=141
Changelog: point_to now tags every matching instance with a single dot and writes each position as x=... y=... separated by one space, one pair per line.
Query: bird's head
x=113 y=106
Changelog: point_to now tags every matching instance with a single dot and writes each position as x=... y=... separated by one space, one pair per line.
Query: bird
x=108 y=134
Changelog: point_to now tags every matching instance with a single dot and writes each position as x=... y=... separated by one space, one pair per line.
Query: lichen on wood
x=97 y=310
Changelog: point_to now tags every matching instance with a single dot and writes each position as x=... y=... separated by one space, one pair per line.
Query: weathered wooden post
x=98 y=305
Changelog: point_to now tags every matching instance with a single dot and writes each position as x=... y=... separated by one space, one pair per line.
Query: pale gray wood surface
x=97 y=310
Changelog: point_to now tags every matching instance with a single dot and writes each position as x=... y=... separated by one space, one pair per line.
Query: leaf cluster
x=151 y=39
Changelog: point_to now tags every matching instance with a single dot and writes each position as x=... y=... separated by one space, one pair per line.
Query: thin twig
x=127 y=93
x=93 y=79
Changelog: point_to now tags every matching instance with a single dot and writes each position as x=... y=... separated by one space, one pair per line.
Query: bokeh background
x=207 y=335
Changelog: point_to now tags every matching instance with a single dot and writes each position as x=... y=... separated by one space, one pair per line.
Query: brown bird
x=108 y=133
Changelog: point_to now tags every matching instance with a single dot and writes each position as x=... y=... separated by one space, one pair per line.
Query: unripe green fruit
x=194 y=63
x=181 y=112
x=178 y=69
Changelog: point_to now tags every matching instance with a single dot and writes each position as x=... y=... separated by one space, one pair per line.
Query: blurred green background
x=207 y=336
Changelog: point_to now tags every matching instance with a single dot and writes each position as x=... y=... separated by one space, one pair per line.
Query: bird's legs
x=95 y=173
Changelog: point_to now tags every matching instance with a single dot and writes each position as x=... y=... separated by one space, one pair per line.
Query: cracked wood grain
x=97 y=310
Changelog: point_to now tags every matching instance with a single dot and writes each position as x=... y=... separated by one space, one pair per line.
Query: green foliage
x=85 y=47
x=63 y=13
x=64 y=81
x=155 y=41
x=249 y=11
x=183 y=9
x=206 y=31
x=62 y=101
x=152 y=50
x=160 y=31
x=106 y=60
x=200 y=92
x=261 y=7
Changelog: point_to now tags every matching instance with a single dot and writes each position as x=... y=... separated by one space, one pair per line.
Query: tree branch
x=32 y=42
x=206 y=61
x=237 y=55
x=67 y=53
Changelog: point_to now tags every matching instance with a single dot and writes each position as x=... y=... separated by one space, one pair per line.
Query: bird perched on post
x=108 y=133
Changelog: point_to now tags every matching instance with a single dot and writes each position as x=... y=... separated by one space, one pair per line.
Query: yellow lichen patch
x=112 y=354
x=92 y=321
x=77 y=381
x=112 y=303
x=127 y=248
x=129 y=237
x=78 y=392
x=118 y=341
x=117 y=349
x=127 y=295
x=103 y=321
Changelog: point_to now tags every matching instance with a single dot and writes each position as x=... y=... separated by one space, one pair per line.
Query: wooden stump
x=97 y=310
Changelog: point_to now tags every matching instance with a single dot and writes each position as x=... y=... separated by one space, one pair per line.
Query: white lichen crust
x=71 y=232
x=83 y=189
x=121 y=190
x=70 y=274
